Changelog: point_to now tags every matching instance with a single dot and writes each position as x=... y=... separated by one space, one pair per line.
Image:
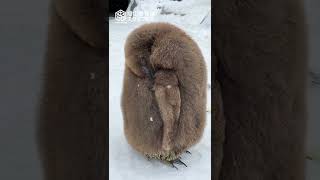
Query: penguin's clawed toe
x=172 y=164
x=178 y=161
x=188 y=152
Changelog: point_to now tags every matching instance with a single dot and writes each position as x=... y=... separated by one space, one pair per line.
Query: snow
x=191 y=12
x=194 y=17
x=124 y=162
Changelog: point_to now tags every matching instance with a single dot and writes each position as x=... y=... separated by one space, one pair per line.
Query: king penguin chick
x=164 y=91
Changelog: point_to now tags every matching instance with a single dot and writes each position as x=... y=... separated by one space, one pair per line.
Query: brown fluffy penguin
x=260 y=74
x=72 y=129
x=164 y=91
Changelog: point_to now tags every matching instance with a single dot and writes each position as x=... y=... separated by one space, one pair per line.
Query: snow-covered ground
x=124 y=162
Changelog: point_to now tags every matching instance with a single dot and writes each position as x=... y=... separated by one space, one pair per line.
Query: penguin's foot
x=171 y=163
x=175 y=161
x=188 y=152
x=178 y=161
x=169 y=158
x=174 y=166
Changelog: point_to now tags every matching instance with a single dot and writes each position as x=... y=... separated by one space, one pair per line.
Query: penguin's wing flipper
x=168 y=99
x=174 y=99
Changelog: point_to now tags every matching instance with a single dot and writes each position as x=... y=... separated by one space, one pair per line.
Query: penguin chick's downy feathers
x=164 y=90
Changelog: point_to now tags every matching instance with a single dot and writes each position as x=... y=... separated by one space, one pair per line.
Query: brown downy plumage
x=72 y=129
x=261 y=68
x=164 y=91
x=167 y=95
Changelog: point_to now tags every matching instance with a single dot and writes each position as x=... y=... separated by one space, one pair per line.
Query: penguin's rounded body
x=164 y=91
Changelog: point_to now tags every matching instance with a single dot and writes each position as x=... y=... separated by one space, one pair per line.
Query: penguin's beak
x=148 y=72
